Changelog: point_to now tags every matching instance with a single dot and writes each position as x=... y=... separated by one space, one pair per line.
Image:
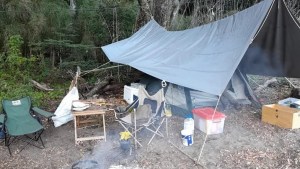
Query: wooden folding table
x=89 y=112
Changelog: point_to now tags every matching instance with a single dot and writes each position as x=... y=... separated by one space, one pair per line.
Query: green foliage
x=14 y=63
x=15 y=80
x=93 y=23
x=34 y=34
x=14 y=58
x=12 y=89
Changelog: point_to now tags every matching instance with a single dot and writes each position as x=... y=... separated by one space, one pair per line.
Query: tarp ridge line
x=261 y=26
x=296 y=22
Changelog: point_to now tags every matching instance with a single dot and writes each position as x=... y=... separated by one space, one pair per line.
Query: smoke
x=106 y=154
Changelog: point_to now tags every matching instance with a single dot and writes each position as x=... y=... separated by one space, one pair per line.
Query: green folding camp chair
x=20 y=120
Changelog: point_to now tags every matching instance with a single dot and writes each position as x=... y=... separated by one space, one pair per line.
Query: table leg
x=75 y=128
x=135 y=143
x=103 y=115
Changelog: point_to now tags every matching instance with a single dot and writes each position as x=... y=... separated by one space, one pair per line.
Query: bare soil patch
x=245 y=143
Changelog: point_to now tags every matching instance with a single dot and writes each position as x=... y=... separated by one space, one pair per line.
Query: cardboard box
x=281 y=116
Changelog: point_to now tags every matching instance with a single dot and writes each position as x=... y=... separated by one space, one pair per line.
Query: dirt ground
x=245 y=143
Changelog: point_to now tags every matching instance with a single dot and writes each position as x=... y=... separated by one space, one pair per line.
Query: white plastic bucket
x=187 y=137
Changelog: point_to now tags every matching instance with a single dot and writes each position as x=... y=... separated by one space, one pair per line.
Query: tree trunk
x=144 y=13
x=52 y=58
x=204 y=12
x=72 y=5
x=163 y=11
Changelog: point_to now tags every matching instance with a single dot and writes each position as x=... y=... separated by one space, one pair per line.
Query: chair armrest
x=1 y=118
x=117 y=113
x=42 y=112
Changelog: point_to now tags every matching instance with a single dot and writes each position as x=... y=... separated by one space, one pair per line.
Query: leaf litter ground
x=245 y=143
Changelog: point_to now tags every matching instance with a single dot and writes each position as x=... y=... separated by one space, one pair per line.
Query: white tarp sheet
x=63 y=113
x=203 y=58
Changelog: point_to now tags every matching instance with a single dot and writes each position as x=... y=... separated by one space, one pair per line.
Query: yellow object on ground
x=125 y=135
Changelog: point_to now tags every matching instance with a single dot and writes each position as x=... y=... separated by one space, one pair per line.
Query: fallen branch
x=97 y=87
x=41 y=86
x=112 y=87
x=266 y=84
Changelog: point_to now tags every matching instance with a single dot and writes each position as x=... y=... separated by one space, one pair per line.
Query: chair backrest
x=156 y=101
x=143 y=112
x=16 y=110
x=133 y=105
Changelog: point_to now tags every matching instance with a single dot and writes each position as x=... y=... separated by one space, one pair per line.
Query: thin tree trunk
x=144 y=13
x=52 y=58
x=72 y=4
